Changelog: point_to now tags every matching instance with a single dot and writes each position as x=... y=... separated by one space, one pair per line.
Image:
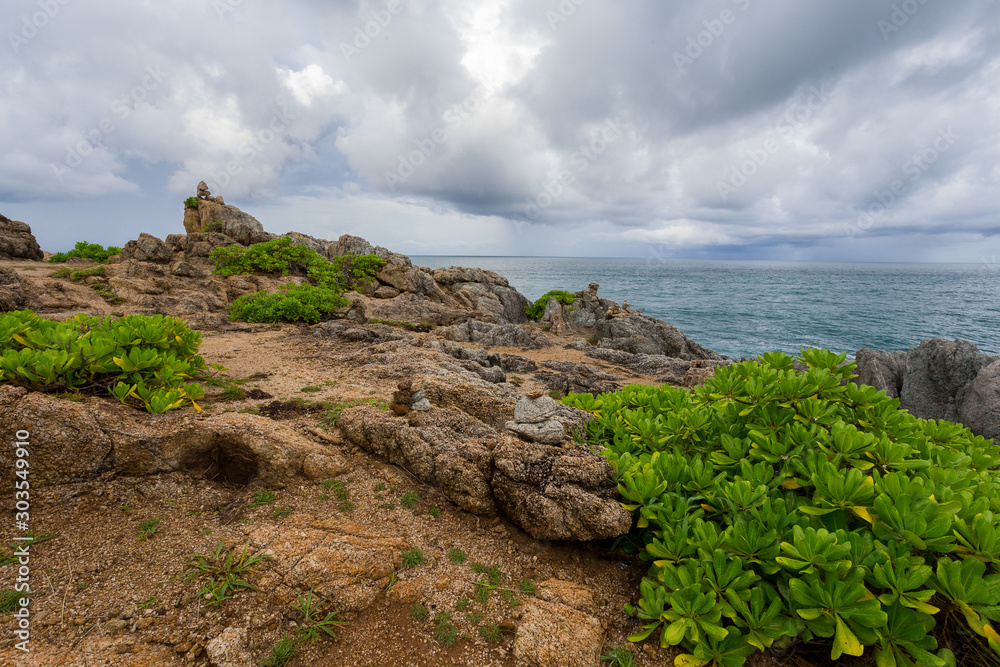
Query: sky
x=856 y=130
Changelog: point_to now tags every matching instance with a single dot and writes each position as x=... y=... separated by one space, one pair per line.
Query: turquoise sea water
x=746 y=308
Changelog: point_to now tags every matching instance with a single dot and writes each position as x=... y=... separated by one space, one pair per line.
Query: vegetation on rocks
x=535 y=311
x=150 y=362
x=307 y=303
x=777 y=507
x=191 y=202
x=93 y=251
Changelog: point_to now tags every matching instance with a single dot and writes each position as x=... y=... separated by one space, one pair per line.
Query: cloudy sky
x=861 y=130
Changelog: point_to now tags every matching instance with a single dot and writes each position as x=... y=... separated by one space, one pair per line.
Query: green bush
x=538 y=309
x=143 y=361
x=777 y=507
x=307 y=303
x=93 y=251
x=292 y=303
x=191 y=202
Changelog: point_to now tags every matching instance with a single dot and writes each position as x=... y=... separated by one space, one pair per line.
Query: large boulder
x=937 y=373
x=17 y=241
x=14 y=290
x=147 y=248
x=882 y=370
x=484 y=291
x=551 y=634
x=495 y=335
x=213 y=215
x=640 y=334
x=979 y=407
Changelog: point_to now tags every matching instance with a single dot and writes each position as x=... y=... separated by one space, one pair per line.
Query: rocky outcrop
x=212 y=215
x=14 y=290
x=495 y=335
x=939 y=379
x=569 y=377
x=17 y=241
x=640 y=334
x=74 y=442
x=551 y=492
x=550 y=634
x=147 y=248
x=667 y=370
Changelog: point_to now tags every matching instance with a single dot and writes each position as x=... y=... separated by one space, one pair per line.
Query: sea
x=745 y=308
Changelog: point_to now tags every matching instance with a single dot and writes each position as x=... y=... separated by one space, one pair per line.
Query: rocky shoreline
x=443 y=387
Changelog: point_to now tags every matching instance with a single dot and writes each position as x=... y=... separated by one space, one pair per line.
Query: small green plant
x=478 y=568
x=515 y=380
x=282 y=652
x=64 y=272
x=233 y=392
x=528 y=587
x=536 y=310
x=510 y=597
x=221 y=573
x=87 y=273
x=461 y=603
x=9 y=601
x=343 y=495
x=474 y=618
x=619 y=656
x=491 y=632
x=313 y=626
x=330 y=417
x=282 y=512
x=413 y=557
x=151 y=601
x=191 y=202
x=125 y=507
x=393 y=578
x=263 y=497
x=446 y=633
x=148 y=527
x=482 y=595
x=379 y=486
x=311 y=389
x=409 y=500
x=434 y=512
x=93 y=251
x=419 y=612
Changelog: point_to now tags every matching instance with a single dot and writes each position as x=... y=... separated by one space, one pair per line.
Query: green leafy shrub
x=536 y=310
x=142 y=360
x=222 y=573
x=191 y=202
x=413 y=557
x=777 y=506
x=93 y=251
x=292 y=303
x=307 y=303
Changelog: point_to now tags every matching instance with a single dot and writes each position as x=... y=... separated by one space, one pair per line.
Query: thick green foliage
x=776 y=506
x=144 y=361
x=281 y=255
x=191 y=202
x=292 y=303
x=93 y=251
x=538 y=309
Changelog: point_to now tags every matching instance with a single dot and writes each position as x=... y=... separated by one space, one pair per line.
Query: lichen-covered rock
x=550 y=634
x=17 y=241
x=937 y=372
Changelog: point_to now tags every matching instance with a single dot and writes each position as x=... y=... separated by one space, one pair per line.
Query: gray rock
x=569 y=377
x=937 y=372
x=979 y=407
x=646 y=364
x=422 y=405
x=512 y=363
x=494 y=335
x=535 y=410
x=147 y=248
x=14 y=290
x=349 y=245
x=549 y=432
x=418 y=395
x=17 y=241
x=640 y=334
x=882 y=370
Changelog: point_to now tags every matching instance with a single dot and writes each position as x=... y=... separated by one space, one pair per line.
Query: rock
x=549 y=432
x=229 y=649
x=535 y=410
x=557 y=494
x=571 y=594
x=936 y=373
x=492 y=404
x=512 y=363
x=640 y=334
x=202 y=190
x=213 y=216
x=421 y=406
x=17 y=241
x=348 y=245
x=75 y=442
x=14 y=290
x=386 y=292
x=147 y=249
x=979 y=406
x=570 y=377
x=484 y=291
x=554 y=635
x=494 y=335
x=882 y=370
x=645 y=364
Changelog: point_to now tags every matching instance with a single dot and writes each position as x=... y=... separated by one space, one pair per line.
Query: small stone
x=441 y=584
x=418 y=396
x=423 y=405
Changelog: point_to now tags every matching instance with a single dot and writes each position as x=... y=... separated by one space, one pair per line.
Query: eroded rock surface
x=17 y=241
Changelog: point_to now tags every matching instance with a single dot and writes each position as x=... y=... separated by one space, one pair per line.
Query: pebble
x=442 y=584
